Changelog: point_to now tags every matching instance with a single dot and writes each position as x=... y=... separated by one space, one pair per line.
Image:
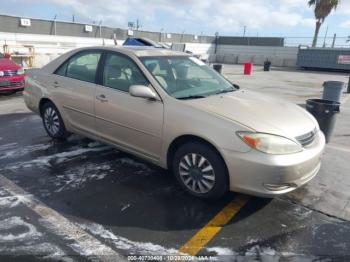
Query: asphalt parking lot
x=79 y=199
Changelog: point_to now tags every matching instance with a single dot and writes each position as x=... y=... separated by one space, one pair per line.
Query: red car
x=11 y=75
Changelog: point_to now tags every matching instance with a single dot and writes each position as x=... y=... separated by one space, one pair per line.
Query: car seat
x=112 y=78
x=154 y=68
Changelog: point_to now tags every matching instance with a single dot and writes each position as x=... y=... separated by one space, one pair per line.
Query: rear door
x=131 y=122
x=74 y=86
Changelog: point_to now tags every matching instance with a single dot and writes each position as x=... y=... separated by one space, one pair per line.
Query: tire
x=53 y=122
x=200 y=170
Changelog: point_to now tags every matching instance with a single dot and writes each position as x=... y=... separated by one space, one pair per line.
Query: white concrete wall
x=205 y=51
x=279 y=56
x=47 y=47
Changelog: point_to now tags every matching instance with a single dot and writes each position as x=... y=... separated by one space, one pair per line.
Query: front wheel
x=200 y=170
x=53 y=122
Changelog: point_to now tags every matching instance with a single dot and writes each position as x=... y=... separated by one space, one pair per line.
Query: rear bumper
x=12 y=83
x=267 y=175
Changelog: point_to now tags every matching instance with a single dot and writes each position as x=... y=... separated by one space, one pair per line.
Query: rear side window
x=61 y=71
x=82 y=66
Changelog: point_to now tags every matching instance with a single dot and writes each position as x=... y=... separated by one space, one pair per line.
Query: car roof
x=139 y=51
x=131 y=51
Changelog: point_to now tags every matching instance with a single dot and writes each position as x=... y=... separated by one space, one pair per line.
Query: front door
x=131 y=122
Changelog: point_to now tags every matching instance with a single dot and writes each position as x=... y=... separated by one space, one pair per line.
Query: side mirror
x=142 y=91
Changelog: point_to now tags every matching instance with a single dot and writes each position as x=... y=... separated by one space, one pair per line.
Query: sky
x=285 y=18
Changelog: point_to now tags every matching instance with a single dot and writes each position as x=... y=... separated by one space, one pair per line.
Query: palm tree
x=322 y=9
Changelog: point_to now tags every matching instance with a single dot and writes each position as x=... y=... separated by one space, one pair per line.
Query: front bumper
x=268 y=175
x=12 y=83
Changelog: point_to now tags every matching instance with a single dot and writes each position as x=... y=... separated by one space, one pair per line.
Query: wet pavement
x=136 y=208
x=132 y=207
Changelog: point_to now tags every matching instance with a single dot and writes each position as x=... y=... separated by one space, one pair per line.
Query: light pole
x=100 y=28
x=334 y=38
x=325 y=36
x=160 y=34
x=182 y=36
x=216 y=41
x=138 y=25
x=54 y=24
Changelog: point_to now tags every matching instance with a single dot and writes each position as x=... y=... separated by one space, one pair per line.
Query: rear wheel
x=53 y=122
x=200 y=170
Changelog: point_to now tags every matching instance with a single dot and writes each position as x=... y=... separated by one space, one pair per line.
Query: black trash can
x=332 y=90
x=325 y=113
x=218 y=68
x=267 y=65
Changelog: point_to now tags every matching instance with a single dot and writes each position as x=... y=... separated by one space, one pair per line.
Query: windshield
x=186 y=77
x=1 y=55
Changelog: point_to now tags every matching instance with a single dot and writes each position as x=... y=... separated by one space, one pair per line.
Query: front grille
x=9 y=84
x=17 y=83
x=9 y=72
x=307 y=138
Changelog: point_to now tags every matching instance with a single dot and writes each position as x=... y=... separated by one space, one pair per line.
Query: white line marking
x=83 y=243
x=340 y=148
x=121 y=243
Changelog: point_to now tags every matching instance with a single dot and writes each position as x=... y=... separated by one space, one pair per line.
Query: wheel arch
x=42 y=102
x=183 y=139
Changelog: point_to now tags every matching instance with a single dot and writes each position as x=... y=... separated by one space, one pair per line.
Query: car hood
x=259 y=112
x=7 y=64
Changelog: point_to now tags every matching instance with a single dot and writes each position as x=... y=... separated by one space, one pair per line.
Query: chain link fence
x=327 y=42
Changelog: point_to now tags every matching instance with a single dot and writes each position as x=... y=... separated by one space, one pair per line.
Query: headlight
x=2 y=73
x=270 y=144
x=20 y=71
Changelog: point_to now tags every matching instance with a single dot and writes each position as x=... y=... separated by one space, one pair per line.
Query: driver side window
x=120 y=73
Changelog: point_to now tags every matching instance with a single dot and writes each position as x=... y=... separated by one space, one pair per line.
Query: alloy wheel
x=197 y=173
x=51 y=121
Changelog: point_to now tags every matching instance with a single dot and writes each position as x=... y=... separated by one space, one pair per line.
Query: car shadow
x=90 y=182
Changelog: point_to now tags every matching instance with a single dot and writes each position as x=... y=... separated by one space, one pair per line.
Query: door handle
x=56 y=84
x=102 y=98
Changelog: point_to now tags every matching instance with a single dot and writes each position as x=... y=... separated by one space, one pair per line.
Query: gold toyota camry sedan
x=173 y=110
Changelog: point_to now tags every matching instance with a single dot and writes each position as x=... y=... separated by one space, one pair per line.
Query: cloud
x=345 y=24
x=213 y=15
x=344 y=7
x=308 y=22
